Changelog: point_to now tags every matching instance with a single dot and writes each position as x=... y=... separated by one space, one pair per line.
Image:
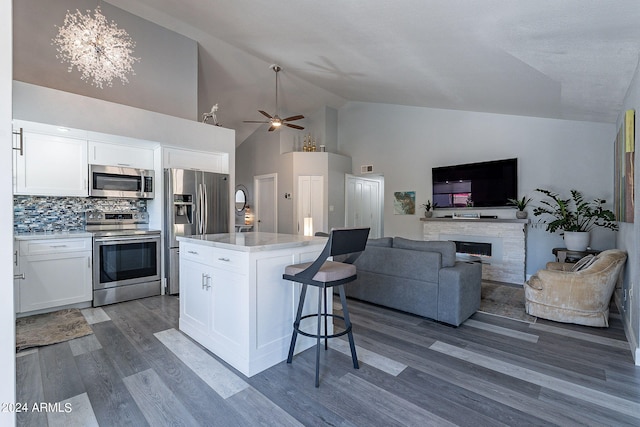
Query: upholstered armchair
x=579 y=295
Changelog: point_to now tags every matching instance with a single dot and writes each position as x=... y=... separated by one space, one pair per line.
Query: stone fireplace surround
x=507 y=238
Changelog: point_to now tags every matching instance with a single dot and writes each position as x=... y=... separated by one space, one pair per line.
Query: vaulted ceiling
x=566 y=59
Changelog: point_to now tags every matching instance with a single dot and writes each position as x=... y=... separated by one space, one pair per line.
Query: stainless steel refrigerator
x=196 y=202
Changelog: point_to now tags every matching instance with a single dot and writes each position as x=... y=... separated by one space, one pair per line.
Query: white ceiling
x=567 y=59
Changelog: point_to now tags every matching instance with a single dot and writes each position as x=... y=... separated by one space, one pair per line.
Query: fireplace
x=498 y=243
x=473 y=248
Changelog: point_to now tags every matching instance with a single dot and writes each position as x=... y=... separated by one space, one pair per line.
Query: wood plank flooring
x=138 y=370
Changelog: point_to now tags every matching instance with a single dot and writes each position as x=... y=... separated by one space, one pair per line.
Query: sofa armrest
x=459 y=292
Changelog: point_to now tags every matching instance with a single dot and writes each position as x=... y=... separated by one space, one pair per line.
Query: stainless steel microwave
x=115 y=181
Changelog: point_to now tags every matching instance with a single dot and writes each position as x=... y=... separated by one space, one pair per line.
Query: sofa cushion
x=385 y=242
x=445 y=248
x=402 y=263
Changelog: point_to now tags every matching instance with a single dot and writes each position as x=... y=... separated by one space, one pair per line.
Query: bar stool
x=327 y=274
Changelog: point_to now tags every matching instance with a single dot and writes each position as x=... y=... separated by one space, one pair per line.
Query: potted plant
x=574 y=216
x=520 y=204
x=427 y=208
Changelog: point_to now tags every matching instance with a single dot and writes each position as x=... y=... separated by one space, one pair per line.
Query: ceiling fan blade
x=294 y=126
x=253 y=121
x=292 y=118
x=265 y=114
x=272 y=128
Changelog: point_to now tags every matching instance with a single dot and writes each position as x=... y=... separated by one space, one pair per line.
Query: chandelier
x=97 y=48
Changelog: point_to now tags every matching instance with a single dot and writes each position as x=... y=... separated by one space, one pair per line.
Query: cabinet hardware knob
x=18 y=276
x=224 y=259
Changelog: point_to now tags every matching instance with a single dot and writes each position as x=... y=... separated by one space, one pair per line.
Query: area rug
x=50 y=328
x=505 y=301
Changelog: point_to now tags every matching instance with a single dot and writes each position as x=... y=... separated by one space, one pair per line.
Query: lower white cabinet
x=236 y=304
x=52 y=273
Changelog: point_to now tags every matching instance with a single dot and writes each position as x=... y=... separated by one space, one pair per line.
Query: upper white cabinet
x=199 y=160
x=102 y=153
x=50 y=165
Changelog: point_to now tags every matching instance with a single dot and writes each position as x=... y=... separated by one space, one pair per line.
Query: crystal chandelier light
x=97 y=48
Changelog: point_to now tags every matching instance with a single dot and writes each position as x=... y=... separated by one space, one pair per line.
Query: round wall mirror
x=241 y=198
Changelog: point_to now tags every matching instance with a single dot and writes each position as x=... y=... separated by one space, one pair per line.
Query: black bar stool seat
x=327 y=274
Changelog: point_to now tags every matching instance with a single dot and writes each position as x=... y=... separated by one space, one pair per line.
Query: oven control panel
x=116 y=218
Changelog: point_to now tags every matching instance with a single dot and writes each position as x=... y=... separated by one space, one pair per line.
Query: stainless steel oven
x=126 y=257
x=115 y=181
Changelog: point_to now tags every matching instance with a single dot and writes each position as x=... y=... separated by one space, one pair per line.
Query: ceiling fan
x=275 y=121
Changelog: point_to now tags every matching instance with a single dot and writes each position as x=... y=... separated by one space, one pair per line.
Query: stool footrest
x=307 y=334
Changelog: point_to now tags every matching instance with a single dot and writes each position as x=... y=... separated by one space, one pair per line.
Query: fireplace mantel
x=507 y=220
x=507 y=237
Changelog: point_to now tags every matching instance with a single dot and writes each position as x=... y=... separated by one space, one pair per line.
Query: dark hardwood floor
x=137 y=370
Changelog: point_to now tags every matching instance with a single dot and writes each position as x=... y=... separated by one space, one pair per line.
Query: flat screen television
x=476 y=185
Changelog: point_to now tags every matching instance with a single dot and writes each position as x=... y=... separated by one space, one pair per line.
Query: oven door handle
x=126 y=239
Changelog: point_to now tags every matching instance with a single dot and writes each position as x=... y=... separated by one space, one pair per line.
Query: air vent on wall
x=366 y=168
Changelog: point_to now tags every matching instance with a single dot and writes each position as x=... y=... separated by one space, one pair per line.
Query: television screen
x=477 y=185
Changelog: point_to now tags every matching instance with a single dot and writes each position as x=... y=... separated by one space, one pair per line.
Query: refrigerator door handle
x=205 y=225
x=200 y=209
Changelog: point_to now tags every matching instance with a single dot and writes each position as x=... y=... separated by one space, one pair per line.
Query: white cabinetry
x=53 y=273
x=236 y=304
x=211 y=294
x=107 y=154
x=50 y=165
x=199 y=160
x=311 y=203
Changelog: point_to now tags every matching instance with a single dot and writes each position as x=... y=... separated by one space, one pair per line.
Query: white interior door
x=311 y=203
x=364 y=203
x=266 y=208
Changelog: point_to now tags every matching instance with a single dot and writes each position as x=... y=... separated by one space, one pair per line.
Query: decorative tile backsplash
x=57 y=214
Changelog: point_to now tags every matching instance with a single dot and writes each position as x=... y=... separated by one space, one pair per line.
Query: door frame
x=256 y=186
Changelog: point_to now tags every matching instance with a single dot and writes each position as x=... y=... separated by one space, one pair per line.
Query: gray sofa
x=419 y=277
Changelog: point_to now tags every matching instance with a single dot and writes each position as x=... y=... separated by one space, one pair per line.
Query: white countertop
x=53 y=235
x=253 y=241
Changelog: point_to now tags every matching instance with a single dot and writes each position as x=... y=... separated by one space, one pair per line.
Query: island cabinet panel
x=236 y=304
x=196 y=297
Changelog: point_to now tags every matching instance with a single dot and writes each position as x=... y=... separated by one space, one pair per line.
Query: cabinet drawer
x=231 y=261
x=197 y=253
x=49 y=246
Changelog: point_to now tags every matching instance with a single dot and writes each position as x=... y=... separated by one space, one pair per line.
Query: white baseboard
x=628 y=332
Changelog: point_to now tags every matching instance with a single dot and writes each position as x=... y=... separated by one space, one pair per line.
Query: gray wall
x=166 y=77
x=404 y=143
x=628 y=237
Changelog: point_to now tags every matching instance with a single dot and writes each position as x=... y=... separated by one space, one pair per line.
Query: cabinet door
x=200 y=160
x=195 y=293
x=311 y=203
x=230 y=306
x=101 y=153
x=51 y=166
x=55 y=280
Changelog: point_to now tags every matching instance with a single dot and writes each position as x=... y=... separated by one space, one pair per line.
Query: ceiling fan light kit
x=275 y=122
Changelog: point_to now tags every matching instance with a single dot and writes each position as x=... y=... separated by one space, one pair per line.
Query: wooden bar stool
x=327 y=274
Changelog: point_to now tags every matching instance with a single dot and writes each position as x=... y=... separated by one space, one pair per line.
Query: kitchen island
x=234 y=301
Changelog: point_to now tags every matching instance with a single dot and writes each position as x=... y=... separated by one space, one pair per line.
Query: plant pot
x=428 y=214
x=576 y=240
x=521 y=214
